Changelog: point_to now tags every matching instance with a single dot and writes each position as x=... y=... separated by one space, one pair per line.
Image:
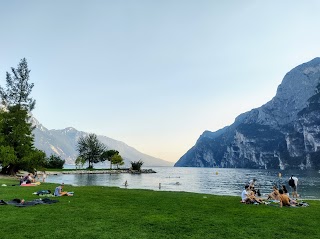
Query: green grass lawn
x=107 y=212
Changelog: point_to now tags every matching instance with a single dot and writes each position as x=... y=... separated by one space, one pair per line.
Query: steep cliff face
x=283 y=133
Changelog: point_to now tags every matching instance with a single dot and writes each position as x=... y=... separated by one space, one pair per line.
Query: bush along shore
x=101 y=171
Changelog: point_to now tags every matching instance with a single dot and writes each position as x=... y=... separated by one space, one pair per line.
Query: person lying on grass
x=285 y=200
x=59 y=191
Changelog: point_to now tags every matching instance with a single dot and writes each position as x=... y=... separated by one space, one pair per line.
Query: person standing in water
x=44 y=176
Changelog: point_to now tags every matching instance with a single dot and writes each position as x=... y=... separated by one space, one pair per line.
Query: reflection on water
x=219 y=181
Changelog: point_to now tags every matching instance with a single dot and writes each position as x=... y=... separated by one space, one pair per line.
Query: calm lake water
x=218 y=181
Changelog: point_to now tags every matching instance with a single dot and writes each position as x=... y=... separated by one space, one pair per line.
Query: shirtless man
x=285 y=200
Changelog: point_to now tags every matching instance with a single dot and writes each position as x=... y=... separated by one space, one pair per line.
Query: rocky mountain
x=284 y=133
x=63 y=143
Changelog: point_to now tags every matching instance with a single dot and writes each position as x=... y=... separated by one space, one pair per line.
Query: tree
x=80 y=162
x=91 y=149
x=55 y=161
x=16 y=140
x=18 y=88
x=108 y=154
x=136 y=165
x=17 y=149
x=117 y=160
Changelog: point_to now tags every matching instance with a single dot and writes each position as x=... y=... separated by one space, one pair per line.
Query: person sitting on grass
x=21 y=180
x=285 y=200
x=244 y=194
x=28 y=179
x=59 y=191
x=248 y=196
x=252 y=183
x=284 y=189
x=274 y=195
x=253 y=198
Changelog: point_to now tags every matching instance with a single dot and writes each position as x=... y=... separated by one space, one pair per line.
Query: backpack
x=43 y=192
x=291 y=182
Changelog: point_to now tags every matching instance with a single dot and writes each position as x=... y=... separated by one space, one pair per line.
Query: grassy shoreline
x=108 y=212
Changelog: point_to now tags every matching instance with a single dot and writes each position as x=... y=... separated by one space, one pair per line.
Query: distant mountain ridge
x=63 y=143
x=283 y=133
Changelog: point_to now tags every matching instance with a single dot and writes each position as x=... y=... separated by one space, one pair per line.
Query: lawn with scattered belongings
x=108 y=212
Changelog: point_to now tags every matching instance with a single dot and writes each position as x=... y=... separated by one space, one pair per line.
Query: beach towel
x=19 y=203
x=42 y=192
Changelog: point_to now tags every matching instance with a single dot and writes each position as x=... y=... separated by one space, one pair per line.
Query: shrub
x=54 y=162
x=136 y=165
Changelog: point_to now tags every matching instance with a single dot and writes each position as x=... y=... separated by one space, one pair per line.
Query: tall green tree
x=16 y=147
x=90 y=149
x=16 y=139
x=108 y=154
x=18 y=88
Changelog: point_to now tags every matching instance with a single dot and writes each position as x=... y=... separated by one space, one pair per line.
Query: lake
x=218 y=181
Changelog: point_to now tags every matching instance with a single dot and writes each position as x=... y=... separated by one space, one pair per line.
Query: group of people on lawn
x=28 y=179
x=31 y=178
x=251 y=195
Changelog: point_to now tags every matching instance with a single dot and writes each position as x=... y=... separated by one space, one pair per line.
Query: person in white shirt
x=244 y=194
x=294 y=187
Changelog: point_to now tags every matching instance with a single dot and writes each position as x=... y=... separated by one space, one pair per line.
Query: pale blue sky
x=155 y=74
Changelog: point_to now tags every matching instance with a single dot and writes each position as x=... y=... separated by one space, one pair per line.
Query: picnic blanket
x=277 y=203
x=30 y=184
x=47 y=193
x=43 y=192
x=19 y=203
